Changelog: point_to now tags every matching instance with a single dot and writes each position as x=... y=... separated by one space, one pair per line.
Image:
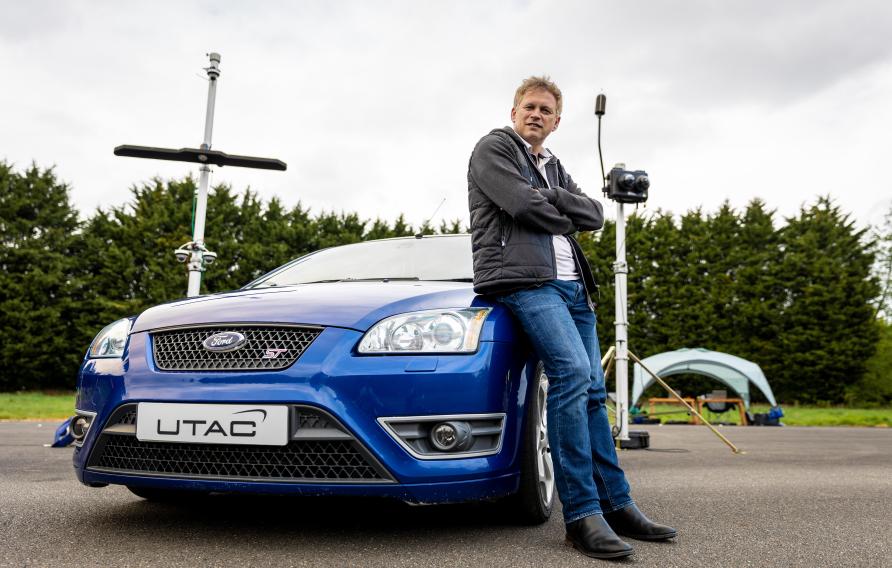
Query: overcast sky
x=375 y=106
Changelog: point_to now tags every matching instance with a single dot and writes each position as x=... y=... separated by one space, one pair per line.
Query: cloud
x=376 y=106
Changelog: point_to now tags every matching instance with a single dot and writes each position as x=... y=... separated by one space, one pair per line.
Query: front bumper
x=355 y=390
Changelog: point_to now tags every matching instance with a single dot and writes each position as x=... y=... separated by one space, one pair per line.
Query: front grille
x=336 y=460
x=267 y=348
x=321 y=450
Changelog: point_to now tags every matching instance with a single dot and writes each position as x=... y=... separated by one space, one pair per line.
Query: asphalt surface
x=798 y=497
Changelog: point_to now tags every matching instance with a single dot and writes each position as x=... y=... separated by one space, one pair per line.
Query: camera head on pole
x=620 y=185
x=627 y=186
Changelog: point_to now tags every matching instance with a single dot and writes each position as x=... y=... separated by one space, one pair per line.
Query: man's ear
x=513 y=112
x=556 y=122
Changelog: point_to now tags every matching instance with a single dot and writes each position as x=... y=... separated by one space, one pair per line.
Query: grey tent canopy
x=735 y=372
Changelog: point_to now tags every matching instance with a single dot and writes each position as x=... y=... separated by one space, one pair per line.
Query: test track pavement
x=798 y=497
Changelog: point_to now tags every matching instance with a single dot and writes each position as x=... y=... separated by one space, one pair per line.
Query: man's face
x=535 y=117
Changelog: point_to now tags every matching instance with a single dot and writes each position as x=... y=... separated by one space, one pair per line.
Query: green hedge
x=794 y=295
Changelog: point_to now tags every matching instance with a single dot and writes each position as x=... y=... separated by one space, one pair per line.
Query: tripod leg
x=609 y=368
x=608 y=357
x=684 y=402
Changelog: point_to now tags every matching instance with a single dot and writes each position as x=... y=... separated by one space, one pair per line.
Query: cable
x=194 y=203
x=600 y=154
x=616 y=426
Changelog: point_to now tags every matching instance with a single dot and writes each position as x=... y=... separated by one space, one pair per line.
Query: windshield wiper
x=380 y=278
x=383 y=279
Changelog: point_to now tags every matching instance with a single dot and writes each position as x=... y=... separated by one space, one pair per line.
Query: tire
x=533 y=503
x=159 y=495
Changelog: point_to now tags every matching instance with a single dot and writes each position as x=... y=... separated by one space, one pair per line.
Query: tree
x=883 y=268
x=795 y=300
x=799 y=300
x=38 y=232
x=129 y=257
x=332 y=229
x=452 y=227
x=759 y=288
x=875 y=387
x=826 y=327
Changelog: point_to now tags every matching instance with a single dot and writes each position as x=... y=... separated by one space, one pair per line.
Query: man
x=524 y=210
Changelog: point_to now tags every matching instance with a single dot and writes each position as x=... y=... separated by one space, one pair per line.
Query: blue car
x=368 y=369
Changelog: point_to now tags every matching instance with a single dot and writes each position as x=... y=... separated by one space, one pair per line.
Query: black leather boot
x=593 y=537
x=632 y=523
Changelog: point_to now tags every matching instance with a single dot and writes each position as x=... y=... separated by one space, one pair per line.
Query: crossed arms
x=555 y=210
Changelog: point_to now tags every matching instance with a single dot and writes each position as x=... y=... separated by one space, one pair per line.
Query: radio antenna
x=600 y=109
x=420 y=232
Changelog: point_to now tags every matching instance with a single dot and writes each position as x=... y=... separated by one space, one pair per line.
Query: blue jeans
x=559 y=323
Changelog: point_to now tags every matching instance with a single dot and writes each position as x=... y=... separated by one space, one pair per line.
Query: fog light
x=451 y=436
x=80 y=426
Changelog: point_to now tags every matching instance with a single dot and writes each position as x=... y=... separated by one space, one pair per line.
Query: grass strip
x=793 y=415
x=35 y=405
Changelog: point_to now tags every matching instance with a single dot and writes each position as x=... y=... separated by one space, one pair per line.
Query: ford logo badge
x=224 y=341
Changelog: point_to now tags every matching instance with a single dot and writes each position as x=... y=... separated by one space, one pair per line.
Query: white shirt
x=563 y=251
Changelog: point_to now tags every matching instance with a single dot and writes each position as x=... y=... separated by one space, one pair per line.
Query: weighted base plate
x=638 y=440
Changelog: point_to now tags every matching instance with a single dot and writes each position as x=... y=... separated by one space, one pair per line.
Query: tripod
x=623 y=186
x=617 y=357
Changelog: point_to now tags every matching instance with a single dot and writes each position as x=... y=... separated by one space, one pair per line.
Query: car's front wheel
x=535 y=500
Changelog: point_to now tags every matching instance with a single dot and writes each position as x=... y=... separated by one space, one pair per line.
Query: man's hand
x=586 y=213
x=550 y=193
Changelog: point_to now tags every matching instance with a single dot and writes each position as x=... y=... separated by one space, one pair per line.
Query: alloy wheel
x=544 y=464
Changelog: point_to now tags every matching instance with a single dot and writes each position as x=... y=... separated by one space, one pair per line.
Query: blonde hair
x=540 y=82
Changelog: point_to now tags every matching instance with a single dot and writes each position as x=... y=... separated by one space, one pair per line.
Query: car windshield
x=428 y=258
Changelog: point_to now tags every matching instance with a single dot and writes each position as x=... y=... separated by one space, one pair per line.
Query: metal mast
x=196 y=259
x=194 y=253
x=621 y=358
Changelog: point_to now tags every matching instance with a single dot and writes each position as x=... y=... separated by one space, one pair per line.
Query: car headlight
x=430 y=331
x=111 y=340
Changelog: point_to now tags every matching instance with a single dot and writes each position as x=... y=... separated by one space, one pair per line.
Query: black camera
x=627 y=186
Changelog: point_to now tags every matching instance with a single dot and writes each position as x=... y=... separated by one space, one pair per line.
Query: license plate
x=255 y=425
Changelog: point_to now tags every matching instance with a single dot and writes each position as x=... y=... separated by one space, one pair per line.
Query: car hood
x=354 y=305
